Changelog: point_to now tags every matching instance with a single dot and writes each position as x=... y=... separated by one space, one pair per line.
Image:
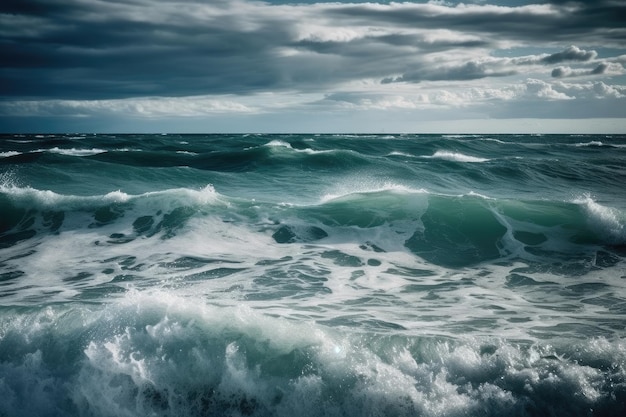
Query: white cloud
x=592 y=90
x=543 y=90
x=602 y=90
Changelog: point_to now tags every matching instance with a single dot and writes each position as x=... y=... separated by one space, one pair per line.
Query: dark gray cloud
x=563 y=72
x=472 y=70
x=501 y=67
x=545 y=22
x=80 y=49
x=115 y=50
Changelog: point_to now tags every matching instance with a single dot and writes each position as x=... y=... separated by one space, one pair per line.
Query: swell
x=27 y=212
x=446 y=165
x=445 y=230
x=456 y=231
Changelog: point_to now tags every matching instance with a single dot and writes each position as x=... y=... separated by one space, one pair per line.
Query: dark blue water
x=271 y=275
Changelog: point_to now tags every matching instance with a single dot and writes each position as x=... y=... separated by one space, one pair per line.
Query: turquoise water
x=281 y=275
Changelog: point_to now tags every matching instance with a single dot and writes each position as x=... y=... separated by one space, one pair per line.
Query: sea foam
x=152 y=353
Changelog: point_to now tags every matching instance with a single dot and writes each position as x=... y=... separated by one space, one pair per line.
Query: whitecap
x=592 y=143
x=456 y=157
x=116 y=197
x=608 y=220
x=278 y=143
x=9 y=153
x=310 y=151
x=77 y=152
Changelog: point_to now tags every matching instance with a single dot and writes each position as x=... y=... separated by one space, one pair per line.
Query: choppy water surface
x=271 y=275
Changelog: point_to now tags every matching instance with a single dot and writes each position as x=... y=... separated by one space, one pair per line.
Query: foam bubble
x=7 y=181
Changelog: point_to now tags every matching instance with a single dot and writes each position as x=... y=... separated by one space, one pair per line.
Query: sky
x=212 y=66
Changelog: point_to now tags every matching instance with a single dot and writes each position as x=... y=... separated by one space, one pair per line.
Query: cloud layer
x=195 y=58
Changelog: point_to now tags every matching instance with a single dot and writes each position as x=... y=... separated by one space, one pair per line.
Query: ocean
x=312 y=275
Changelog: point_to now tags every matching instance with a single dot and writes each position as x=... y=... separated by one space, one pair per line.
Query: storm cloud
x=230 y=55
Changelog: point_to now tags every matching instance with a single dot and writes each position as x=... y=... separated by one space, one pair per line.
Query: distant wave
x=9 y=154
x=592 y=143
x=76 y=152
x=279 y=143
x=365 y=190
x=309 y=151
x=443 y=229
x=398 y=153
x=598 y=144
x=31 y=198
x=494 y=140
x=456 y=157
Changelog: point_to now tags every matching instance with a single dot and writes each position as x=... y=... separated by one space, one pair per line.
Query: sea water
x=312 y=275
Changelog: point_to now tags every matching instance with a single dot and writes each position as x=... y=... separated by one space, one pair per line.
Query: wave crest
x=156 y=354
x=456 y=157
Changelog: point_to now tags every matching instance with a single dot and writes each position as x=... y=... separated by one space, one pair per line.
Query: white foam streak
x=9 y=153
x=282 y=144
x=351 y=188
x=43 y=198
x=494 y=140
x=310 y=151
x=456 y=157
x=592 y=143
x=28 y=196
x=76 y=152
x=50 y=199
x=397 y=153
